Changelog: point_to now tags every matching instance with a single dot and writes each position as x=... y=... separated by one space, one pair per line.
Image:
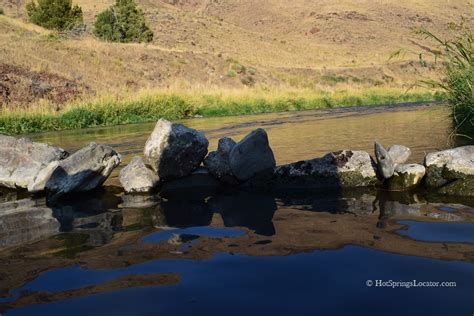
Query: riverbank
x=151 y=106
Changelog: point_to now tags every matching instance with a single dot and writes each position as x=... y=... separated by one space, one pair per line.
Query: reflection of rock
x=406 y=177
x=199 y=183
x=185 y=213
x=24 y=221
x=137 y=177
x=139 y=200
x=452 y=167
x=180 y=239
x=335 y=170
x=254 y=211
x=84 y=170
x=21 y=160
x=218 y=162
x=252 y=156
x=174 y=150
x=98 y=217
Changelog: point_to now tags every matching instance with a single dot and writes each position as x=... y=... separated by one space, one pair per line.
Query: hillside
x=324 y=44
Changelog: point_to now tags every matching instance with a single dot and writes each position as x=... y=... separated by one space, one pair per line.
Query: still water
x=232 y=252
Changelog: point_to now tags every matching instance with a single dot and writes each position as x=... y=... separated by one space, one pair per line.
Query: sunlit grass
x=172 y=104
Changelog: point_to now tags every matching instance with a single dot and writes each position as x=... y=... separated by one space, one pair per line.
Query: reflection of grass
x=150 y=106
x=73 y=244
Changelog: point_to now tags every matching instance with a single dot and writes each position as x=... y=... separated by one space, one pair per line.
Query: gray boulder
x=137 y=177
x=252 y=156
x=399 y=154
x=85 y=170
x=22 y=159
x=218 y=162
x=448 y=165
x=406 y=176
x=385 y=163
x=174 y=150
x=341 y=169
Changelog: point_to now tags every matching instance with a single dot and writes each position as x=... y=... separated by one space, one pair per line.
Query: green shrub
x=1 y=11
x=54 y=14
x=123 y=22
x=457 y=56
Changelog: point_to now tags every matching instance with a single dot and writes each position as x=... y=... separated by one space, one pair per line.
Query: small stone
x=218 y=162
x=137 y=177
x=399 y=154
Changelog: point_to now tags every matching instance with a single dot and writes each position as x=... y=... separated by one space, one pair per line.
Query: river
x=235 y=252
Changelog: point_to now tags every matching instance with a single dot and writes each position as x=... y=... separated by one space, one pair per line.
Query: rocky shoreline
x=176 y=157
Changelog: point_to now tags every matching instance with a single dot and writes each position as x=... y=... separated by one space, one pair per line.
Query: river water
x=235 y=252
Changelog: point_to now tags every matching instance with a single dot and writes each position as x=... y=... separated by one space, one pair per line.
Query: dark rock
x=218 y=162
x=252 y=156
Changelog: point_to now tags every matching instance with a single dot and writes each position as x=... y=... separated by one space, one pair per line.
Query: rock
x=449 y=165
x=252 y=156
x=218 y=162
x=399 y=154
x=385 y=163
x=137 y=177
x=174 y=150
x=405 y=177
x=22 y=159
x=460 y=187
x=341 y=169
x=85 y=170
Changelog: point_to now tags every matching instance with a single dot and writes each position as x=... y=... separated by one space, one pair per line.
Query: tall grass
x=457 y=57
x=150 y=106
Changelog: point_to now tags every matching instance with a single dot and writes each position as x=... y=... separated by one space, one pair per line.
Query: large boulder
x=252 y=156
x=218 y=162
x=451 y=171
x=85 y=170
x=340 y=169
x=174 y=150
x=22 y=159
x=137 y=177
x=385 y=163
x=448 y=165
x=406 y=176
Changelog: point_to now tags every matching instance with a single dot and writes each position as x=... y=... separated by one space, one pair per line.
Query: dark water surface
x=231 y=252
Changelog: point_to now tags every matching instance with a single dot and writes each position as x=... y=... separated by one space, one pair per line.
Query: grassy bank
x=150 y=106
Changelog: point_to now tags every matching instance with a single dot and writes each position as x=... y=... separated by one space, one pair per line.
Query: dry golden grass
x=321 y=45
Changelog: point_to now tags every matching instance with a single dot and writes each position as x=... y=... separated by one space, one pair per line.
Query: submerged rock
x=174 y=150
x=341 y=169
x=399 y=154
x=460 y=187
x=22 y=159
x=406 y=176
x=252 y=156
x=385 y=163
x=85 y=170
x=446 y=166
x=218 y=162
x=137 y=177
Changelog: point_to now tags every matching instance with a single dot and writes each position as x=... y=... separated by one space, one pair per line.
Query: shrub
x=457 y=56
x=123 y=22
x=1 y=11
x=54 y=14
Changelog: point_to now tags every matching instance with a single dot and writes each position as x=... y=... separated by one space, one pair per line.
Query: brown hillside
x=322 y=44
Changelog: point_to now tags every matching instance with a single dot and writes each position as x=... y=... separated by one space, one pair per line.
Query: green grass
x=152 y=107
